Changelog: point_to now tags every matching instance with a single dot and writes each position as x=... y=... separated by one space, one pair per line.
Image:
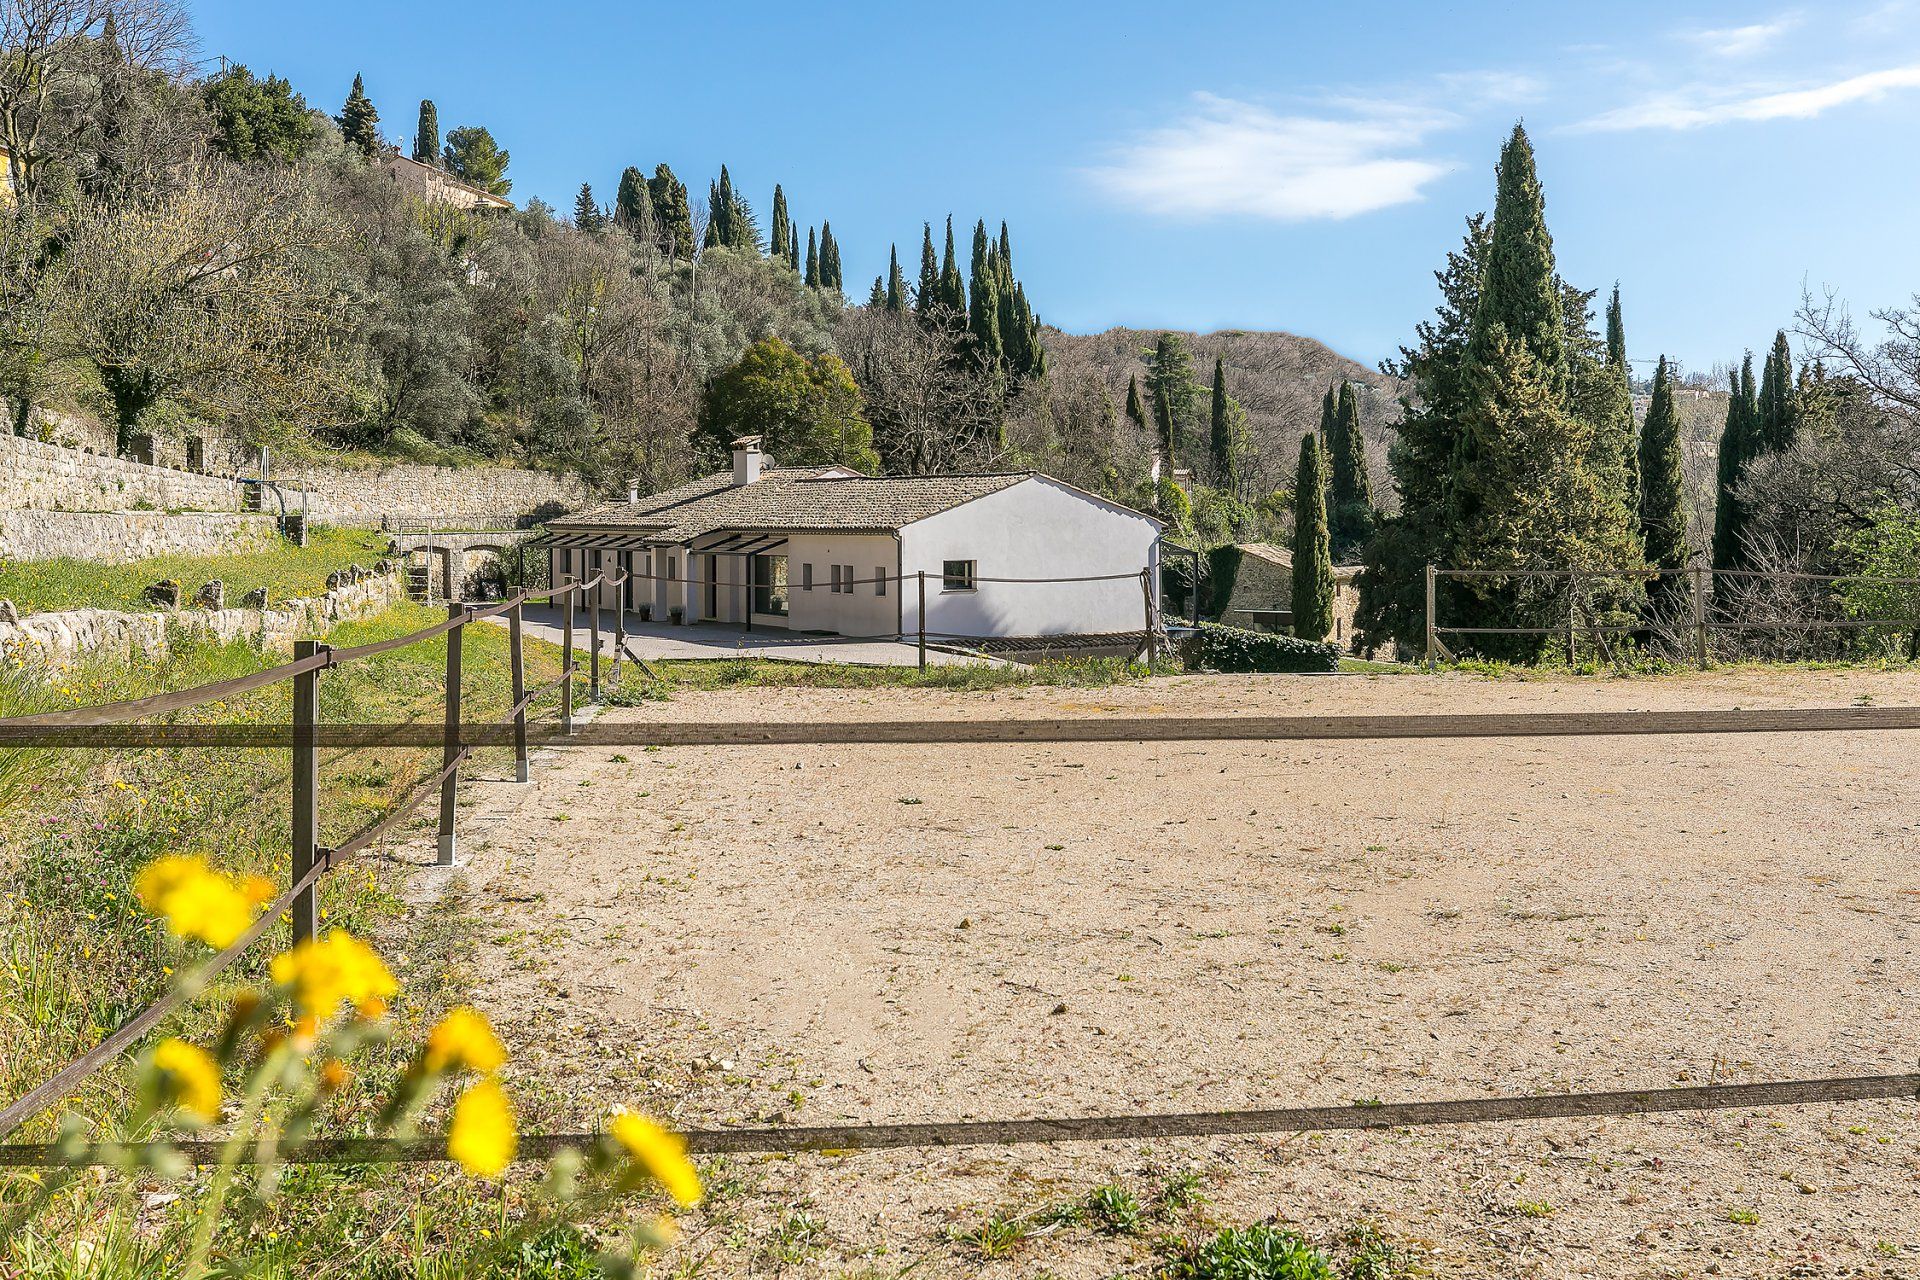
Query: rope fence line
x=1109 y=1128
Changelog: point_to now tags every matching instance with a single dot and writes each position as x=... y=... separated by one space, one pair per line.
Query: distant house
x=829 y=550
x=431 y=183
x=1260 y=595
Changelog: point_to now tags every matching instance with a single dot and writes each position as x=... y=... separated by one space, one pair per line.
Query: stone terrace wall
x=361 y=497
x=47 y=477
x=122 y=537
x=75 y=634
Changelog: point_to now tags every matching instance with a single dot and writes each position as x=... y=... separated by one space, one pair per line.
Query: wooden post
x=593 y=629
x=306 y=789
x=1573 y=609
x=450 y=746
x=1700 y=579
x=516 y=659
x=620 y=612
x=923 y=619
x=1146 y=594
x=566 y=656
x=1433 y=636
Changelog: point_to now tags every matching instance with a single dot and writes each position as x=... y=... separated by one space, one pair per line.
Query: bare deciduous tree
x=933 y=408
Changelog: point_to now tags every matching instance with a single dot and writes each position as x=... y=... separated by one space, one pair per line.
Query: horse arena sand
x=820 y=935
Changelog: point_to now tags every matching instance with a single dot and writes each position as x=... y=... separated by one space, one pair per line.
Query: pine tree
x=586 y=214
x=782 y=229
x=812 y=276
x=632 y=207
x=953 y=289
x=672 y=215
x=359 y=121
x=1351 y=515
x=1779 y=401
x=1312 y=552
x=1736 y=448
x=983 y=313
x=927 y=296
x=896 y=295
x=1663 y=493
x=426 y=135
x=830 y=277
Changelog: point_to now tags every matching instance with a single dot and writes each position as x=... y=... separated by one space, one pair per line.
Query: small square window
x=957 y=575
x=880 y=581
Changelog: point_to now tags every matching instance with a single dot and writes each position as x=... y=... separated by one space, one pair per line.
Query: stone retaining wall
x=121 y=537
x=47 y=477
x=73 y=635
x=361 y=497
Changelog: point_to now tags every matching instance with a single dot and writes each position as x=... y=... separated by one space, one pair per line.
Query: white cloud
x=1226 y=157
x=1743 y=42
x=1696 y=111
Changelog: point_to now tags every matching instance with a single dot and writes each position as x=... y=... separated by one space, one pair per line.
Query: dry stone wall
x=362 y=497
x=122 y=537
x=47 y=477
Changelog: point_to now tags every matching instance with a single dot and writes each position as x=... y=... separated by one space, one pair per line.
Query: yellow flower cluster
x=482 y=1136
x=197 y=901
x=660 y=1152
x=463 y=1039
x=189 y=1078
x=325 y=972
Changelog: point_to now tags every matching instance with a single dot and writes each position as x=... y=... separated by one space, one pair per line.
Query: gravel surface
x=813 y=935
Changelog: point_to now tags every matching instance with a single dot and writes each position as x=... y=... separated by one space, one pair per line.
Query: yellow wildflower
x=259 y=890
x=324 y=972
x=660 y=1152
x=189 y=1079
x=197 y=901
x=333 y=1075
x=482 y=1136
x=464 y=1038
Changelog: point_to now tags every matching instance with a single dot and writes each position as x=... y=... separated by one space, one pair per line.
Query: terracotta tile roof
x=797 y=498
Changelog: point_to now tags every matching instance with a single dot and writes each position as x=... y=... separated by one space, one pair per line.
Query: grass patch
x=703 y=676
x=286 y=571
x=1259 y=1252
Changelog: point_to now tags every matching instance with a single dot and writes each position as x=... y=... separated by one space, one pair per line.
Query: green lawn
x=286 y=571
x=738 y=673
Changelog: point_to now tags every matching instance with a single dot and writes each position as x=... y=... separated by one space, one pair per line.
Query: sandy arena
x=863 y=934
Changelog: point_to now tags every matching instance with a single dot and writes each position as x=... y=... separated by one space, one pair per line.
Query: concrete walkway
x=660 y=641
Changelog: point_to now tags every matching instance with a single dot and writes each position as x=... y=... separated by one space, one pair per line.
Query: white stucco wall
x=869 y=609
x=1038 y=528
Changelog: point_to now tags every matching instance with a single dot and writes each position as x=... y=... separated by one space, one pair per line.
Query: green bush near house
x=286 y=571
x=1235 y=650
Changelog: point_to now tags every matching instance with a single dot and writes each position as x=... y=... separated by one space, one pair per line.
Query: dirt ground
x=865 y=934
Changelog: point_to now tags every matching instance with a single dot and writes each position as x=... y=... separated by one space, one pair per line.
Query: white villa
x=829 y=550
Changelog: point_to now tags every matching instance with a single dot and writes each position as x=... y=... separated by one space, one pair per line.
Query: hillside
x=1278 y=377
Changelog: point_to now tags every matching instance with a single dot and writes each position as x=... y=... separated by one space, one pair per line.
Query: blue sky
x=1227 y=165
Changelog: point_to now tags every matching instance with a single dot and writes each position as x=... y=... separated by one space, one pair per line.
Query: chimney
x=633 y=491
x=746 y=460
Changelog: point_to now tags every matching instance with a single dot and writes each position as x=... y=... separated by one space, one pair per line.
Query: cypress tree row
x=983 y=309
x=1737 y=439
x=359 y=121
x=896 y=295
x=782 y=228
x=1312 y=551
x=1779 y=400
x=426 y=134
x=1663 y=495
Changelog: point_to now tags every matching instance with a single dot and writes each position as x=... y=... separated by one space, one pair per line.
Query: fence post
x=620 y=614
x=516 y=660
x=1146 y=593
x=593 y=629
x=306 y=789
x=450 y=749
x=1573 y=617
x=566 y=657
x=1433 y=656
x=923 y=619
x=1700 y=613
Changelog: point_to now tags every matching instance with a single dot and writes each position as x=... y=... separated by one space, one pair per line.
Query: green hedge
x=1235 y=649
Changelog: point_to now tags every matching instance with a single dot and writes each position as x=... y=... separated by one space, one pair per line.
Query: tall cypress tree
x=1329 y=419
x=1312 y=551
x=586 y=213
x=1736 y=447
x=782 y=229
x=877 y=297
x=1136 y=412
x=1779 y=400
x=830 y=277
x=953 y=289
x=1220 y=443
x=927 y=296
x=1521 y=292
x=632 y=207
x=1619 y=425
x=426 y=135
x=896 y=295
x=1350 y=516
x=812 y=274
x=983 y=312
x=359 y=121
x=1171 y=385
x=672 y=215
x=1663 y=493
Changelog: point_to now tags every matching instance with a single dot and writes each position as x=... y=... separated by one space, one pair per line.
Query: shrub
x=1258 y=1252
x=1235 y=649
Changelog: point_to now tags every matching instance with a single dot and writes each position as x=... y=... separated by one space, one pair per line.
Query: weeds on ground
x=753 y=673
